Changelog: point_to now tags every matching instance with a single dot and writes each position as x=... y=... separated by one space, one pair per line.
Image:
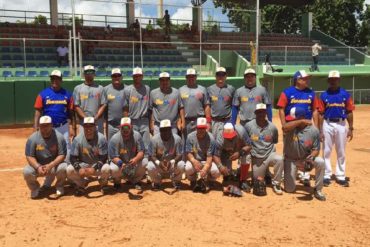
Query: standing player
x=88 y=158
x=165 y=103
x=89 y=99
x=57 y=103
x=45 y=153
x=301 y=150
x=221 y=96
x=299 y=95
x=137 y=105
x=336 y=106
x=195 y=101
x=113 y=93
x=126 y=151
x=264 y=136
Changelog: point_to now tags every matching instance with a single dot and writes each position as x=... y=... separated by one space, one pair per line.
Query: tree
x=78 y=21
x=40 y=20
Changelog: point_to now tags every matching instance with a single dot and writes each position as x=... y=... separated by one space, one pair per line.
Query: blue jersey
x=293 y=97
x=55 y=104
x=335 y=104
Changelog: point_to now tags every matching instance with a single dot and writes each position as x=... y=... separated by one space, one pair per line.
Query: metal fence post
x=286 y=54
x=349 y=55
x=24 y=54
x=219 y=53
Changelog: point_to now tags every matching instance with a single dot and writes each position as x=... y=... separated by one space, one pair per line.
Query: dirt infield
x=187 y=219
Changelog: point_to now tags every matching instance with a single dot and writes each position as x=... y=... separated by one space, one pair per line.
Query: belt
x=192 y=118
x=220 y=119
x=59 y=124
x=335 y=120
x=114 y=122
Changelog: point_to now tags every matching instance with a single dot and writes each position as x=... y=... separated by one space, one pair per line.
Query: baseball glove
x=128 y=171
x=232 y=190
x=98 y=165
x=259 y=188
x=200 y=186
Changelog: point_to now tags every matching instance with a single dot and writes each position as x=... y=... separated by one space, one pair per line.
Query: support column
x=307 y=24
x=130 y=12
x=252 y=22
x=53 y=12
x=197 y=18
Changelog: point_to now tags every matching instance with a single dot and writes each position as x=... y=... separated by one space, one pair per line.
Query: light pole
x=74 y=38
x=257 y=31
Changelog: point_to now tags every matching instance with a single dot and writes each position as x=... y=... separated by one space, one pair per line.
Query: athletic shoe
x=177 y=185
x=277 y=189
x=319 y=195
x=327 y=182
x=343 y=183
x=104 y=189
x=44 y=188
x=35 y=193
x=306 y=183
x=268 y=180
x=117 y=186
x=243 y=185
x=60 y=191
x=138 y=186
x=80 y=191
x=156 y=187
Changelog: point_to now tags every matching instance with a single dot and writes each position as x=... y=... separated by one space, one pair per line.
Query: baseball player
x=247 y=97
x=264 y=136
x=336 y=106
x=45 y=153
x=301 y=150
x=299 y=95
x=137 y=105
x=165 y=103
x=165 y=154
x=126 y=152
x=221 y=96
x=113 y=93
x=89 y=99
x=88 y=158
x=57 y=103
x=200 y=148
x=232 y=144
x=194 y=98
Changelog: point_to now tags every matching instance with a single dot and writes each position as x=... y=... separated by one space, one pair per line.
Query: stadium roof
x=294 y=3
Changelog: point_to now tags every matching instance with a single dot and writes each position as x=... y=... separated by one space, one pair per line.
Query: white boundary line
x=11 y=169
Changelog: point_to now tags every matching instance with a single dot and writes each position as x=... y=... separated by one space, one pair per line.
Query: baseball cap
x=229 y=131
x=334 y=74
x=260 y=106
x=116 y=71
x=56 y=73
x=89 y=120
x=125 y=121
x=166 y=123
x=300 y=74
x=296 y=113
x=191 y=72
x=220 y=70
x=249 y=71
x=137 y=71
x=45 y=120
x=89 y=69
x=164 y=75
x=201 y=123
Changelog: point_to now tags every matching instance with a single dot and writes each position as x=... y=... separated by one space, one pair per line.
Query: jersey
x=247 y=99
x=46 y=150
x=137 y=101
x=89 y=151
x=221 y=100
x=89 y=98
x=194 y=100
x=165 y=149
x=228 y=147
x=298 y=144
x=200 y=148
x=115 y=102
x=293 y=97
x=165 y=106
x=125 y=149
x=263 y=140
x=335 y=104
x=55 y=104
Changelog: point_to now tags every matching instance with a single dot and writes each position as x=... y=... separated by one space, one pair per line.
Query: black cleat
x=327 y=182
x=117 y=186
x=319 y=195
x=343 y=183
x=244 y=186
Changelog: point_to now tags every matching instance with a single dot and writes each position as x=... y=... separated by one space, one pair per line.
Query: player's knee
x=105 y=169
x=29 y=172
x=151 y=167
x=181 y=166
x=70 y=170
x=189 y=169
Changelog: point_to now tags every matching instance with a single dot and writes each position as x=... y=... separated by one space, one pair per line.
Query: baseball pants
x=112 y=130
x=103 y=174
x=30 y=175
x=173 y=129
x=191 y=173
x=335 y=134
x=245 y=159
x=64 y=130
x=260 y=167
x=142 y=126
x=175 y=172
x=290 y=173
x=139 y=172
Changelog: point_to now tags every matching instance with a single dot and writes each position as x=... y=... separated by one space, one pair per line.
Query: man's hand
x=133 y=162
x=234 y=156
x=197 y=165
x=224 y=171
x=203 y=173
x=41 y=171
x=306 y=122
x=165 y=164
x=151 y=128
x=48 y=168
x=350 y=135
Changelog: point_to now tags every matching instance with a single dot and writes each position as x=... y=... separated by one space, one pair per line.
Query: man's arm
x=36 y=119
x=80 y=112
x=289 y=126
x=100 y=112
x=315 y=117
x=282 y=116
x=350 y=125
x=182 y=117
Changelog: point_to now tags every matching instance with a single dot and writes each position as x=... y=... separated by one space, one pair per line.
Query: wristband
x=157 y=162
x=209 y=119
x=120 y=163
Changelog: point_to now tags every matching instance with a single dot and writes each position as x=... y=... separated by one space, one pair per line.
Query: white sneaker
x=35 y=193
x=60 y=191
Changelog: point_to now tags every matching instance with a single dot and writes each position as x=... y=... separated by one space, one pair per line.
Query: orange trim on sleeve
x=349 y=104
x=38 y=102
x=283 y=101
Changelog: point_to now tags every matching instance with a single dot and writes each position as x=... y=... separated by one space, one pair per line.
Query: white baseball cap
x=89 y=120
x=89 y=67
x=249 y=71
x=125 y=121
x=201 y=123
x=137 y=71
x=220 y=70
x=260 y=106
x=334 y=74
x=229 y=131
x=116 y=71
x=45 y=120
x=56 y=72
x=164 y=75
x=191 y=71
x=166 y=123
